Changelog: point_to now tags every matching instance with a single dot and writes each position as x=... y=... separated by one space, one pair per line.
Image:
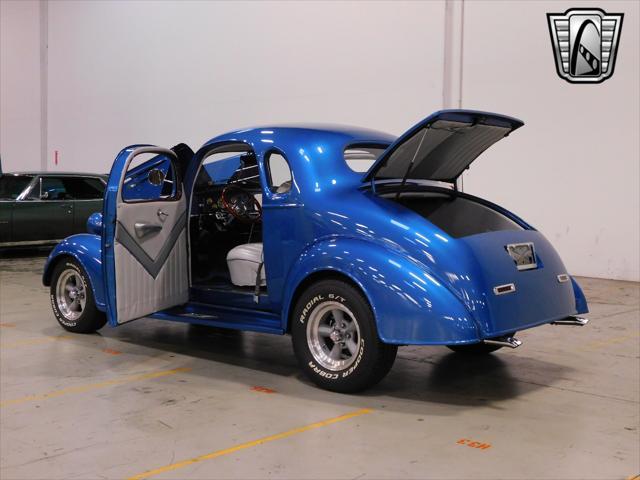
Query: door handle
x=145 y=229
x=162 y=215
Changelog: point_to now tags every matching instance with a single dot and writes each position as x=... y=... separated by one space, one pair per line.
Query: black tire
x=86 y=319
x=372 y=359
x=475 y=348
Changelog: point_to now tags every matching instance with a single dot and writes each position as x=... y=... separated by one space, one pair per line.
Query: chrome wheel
x=71 y=294
x=333 y=336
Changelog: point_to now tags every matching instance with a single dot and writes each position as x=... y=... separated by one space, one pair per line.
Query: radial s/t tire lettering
x=335 y=338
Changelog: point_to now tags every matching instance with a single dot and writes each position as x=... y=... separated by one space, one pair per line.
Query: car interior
x=225 y=211
x=225 y=225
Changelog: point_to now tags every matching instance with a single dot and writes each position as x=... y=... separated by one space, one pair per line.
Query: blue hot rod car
x=351 y=240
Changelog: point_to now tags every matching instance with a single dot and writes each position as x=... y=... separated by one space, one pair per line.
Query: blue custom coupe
x=350 y=240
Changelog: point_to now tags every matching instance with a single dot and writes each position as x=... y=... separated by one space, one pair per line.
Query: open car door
x=144 y=239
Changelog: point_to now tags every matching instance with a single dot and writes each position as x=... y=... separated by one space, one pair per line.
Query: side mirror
x=44 y=196
x=156 y=177
x=94 y=223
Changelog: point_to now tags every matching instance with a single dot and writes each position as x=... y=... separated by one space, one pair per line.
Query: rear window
x=13 y=185
x=360 y=158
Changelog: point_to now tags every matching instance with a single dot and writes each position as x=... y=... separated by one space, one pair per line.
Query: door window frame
x=173 y=159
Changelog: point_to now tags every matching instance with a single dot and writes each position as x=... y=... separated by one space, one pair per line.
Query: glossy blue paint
x=85 y=248
x=94 y=223
x=424 y=286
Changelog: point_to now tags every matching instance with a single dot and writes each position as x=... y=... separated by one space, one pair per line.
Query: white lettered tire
x=335 y=338
x=72 y=299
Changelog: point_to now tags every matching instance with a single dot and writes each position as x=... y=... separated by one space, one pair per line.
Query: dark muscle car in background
x=43 y=208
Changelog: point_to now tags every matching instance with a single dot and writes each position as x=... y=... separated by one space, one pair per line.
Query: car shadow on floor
x=424 y=375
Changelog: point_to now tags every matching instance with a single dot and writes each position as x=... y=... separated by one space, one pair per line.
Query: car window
x=150 y=179
x=13 y=185
x=84 y=188
x=279 y=173
x=360 y=159
x=48 y=189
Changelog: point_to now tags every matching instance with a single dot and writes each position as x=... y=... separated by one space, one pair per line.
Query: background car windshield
x=12 y=185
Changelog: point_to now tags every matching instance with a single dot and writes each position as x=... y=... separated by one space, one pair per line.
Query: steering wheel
x=241 y=204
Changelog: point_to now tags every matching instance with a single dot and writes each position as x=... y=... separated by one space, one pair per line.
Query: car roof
x=285 y=133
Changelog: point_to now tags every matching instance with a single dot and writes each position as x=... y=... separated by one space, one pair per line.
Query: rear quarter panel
x=410 y=306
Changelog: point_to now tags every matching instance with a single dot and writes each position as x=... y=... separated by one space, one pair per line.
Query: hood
x=441 y=146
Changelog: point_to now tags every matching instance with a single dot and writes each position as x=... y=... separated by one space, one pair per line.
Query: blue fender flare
x=410 y=304
x=85 y=249
x=581 y=301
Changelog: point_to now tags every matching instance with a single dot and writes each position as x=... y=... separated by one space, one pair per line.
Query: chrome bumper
x=572 y=320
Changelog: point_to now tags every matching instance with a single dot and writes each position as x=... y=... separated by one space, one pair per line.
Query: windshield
x=12 y=185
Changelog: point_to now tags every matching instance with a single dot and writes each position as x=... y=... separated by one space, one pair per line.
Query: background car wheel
x=335 y=338
x=72 y=299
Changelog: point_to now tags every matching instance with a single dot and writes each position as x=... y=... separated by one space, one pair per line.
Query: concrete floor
x=150 y=395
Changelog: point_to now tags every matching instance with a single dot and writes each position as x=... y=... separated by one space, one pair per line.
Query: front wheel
x=72 y=299
x=335 y=338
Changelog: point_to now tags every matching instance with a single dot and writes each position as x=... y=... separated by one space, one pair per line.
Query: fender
x=581 y=301
x=411 y=306
x=85 y=248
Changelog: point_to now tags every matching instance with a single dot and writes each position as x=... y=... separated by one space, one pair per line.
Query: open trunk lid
x=441 y=146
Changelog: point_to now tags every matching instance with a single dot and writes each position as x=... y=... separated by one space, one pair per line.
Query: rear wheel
x=335 y=338
x=72 y=299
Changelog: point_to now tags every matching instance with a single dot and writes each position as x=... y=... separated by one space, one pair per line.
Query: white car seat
x=243 y=262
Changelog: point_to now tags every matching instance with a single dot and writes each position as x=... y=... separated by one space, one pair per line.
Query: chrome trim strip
x=563 y=277
x=504 y=289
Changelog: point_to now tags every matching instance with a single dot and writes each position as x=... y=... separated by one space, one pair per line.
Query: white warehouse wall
x=573 y=170
x=20 y=92
x=165 y=72
x=169 y=72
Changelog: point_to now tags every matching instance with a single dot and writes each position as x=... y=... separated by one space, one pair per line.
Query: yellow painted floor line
x=254 y=443
x=91 y=386
x=32 y=341
x=610 y=341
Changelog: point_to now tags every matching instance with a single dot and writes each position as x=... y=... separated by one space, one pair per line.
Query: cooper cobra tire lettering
x=355 y=365
x=373 y=358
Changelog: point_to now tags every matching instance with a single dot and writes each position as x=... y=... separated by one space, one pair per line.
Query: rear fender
x=581 y=301
x=85 y=248
x=410 y=304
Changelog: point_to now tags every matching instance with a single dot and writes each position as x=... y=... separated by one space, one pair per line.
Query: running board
x=572 y=320
x=510 y=342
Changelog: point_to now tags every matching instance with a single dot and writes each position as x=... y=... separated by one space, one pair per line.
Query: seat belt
x=256 y=292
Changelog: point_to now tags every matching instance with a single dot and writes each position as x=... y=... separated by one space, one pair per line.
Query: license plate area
x=523 y=255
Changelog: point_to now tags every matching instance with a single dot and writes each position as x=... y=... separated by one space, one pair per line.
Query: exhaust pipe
x=510 y=342
x=572 y=320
